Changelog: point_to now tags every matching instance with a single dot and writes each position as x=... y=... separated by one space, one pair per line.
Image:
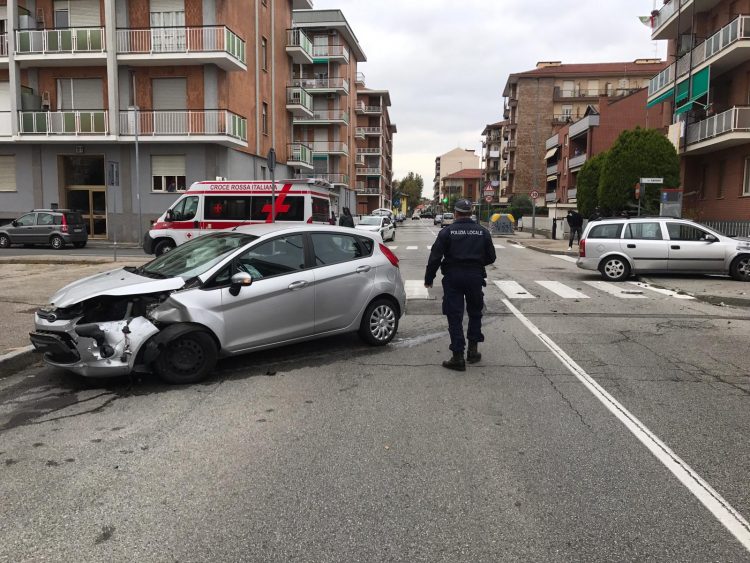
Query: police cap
x=462 y=206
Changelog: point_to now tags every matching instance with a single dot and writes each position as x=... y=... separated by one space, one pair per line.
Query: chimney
x=545 y=64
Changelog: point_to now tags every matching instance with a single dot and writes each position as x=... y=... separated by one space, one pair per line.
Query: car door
x=388 y=229
x=344 y=279
x=691 y=251
x=646 y=246
x=279 y=305
x=22 y=230
x=45 y=225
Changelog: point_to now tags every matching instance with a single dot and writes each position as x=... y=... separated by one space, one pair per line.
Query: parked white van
x=213 y=206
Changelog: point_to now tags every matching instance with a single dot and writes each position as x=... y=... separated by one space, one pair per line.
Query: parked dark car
x=51 y=227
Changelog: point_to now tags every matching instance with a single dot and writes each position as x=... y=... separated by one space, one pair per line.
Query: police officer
x=461 y=251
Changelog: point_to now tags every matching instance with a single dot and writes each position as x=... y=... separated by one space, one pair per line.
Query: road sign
x=488 y=189
x=488 y=198
x=534 y=194
x=652 y=180
x=271 y=160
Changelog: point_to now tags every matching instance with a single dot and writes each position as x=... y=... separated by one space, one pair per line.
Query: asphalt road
x=599 y=426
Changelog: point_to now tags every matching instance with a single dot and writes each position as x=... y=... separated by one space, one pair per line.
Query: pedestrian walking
x=461 y=251
x=346 y=219
x=575 y=222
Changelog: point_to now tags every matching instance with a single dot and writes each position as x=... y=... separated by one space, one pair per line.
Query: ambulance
x=213 y=206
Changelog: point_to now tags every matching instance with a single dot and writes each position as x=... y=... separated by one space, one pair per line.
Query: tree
x=635 y=154
x=587 y=194
x=411 y=188
x=520 y=206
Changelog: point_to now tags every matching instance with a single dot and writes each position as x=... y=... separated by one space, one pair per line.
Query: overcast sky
x=445 y=62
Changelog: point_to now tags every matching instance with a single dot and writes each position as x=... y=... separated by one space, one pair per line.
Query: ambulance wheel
x=163 y=246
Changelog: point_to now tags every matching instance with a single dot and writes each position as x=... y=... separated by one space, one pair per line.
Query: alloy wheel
x=382 y=322
x=743 y=267
x=614 y=269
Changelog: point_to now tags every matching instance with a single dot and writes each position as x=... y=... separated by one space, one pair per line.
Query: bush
x=520 y=206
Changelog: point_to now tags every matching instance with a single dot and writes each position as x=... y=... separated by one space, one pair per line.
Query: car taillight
x=392 y=258
x=582 y=248
x=64 y=227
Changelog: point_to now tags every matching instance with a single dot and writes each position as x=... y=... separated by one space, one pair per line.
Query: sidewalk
x=540 y=243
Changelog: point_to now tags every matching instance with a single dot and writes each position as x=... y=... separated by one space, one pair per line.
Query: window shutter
x=167 y=6
x=85 y=13
x=4 y=96
x=8 y=173
x=88 y=93
x=168 y=165
x=169 y=93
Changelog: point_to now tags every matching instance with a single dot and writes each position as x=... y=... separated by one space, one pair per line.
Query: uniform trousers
x=461 y=286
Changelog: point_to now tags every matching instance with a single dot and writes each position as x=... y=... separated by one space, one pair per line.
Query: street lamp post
x=137 y=165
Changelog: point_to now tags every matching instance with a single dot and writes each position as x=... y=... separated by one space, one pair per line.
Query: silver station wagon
x=223 y=294
x=619 y=247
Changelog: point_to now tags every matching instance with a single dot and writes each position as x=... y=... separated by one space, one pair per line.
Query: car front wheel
x=189 y=358
x=614 y=268
x=4 y=241
x=740 y=268
x=379 y=323
x=163 y=246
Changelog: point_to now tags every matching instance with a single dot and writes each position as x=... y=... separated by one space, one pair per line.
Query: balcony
x=210 y=125
x=324 y=117
x=330 y=53
x=583 y=125
x=550 y=197
x=552 y=169
x=5 y=124
x=494 y=154
x=298 y=102
x=370 y=131
x=62 y=125
x=371 y=171
x=360 y=79
x=3 y=50
x=299 y=156
x=330 y=177
x=326 y=147
x=61 y=47
x=572 y=195
x=373 y=110
x=552 y=142
x=181 y=46
x=369 y=151
x=299 y=47
x=726 y=129
x=363 y=189
x=577 y=161
x=323 y=85
x=359 y=133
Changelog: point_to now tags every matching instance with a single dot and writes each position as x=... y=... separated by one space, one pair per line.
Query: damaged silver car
x=223 y=294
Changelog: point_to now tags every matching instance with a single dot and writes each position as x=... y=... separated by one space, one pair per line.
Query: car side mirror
x=711 y=238
x=240 y=280
x=169 y=215
x=14 y=223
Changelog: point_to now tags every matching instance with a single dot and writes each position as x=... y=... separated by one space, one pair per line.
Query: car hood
x=116 y=283
x=373 y=228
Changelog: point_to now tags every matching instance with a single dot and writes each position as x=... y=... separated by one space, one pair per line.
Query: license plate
x=77 y=230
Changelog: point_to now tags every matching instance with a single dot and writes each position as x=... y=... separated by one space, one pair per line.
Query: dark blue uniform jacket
x=464 y=245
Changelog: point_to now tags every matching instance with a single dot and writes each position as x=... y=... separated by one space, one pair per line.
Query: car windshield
x=447 y=215
x=197 y=256
x=370 y=221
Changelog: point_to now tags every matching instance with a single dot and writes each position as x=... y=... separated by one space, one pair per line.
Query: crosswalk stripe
x=668 y=292
x=411 y=247
x=429 y=247
x=562 y=290
x=393 y=247
x=618 y=290
x=499 y=246
x=513 y=290
x=415 y=289
x=566 y=258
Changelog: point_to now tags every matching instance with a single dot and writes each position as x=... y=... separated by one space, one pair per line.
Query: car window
x=226 y=208
x=643 y=231
x=611 y=230
x=333 y=248
x=321 y=209
x=45 y=219
x=26 y=220
x=370 y=220
x=185 y=209
x=681 y=231
x=368 y=244
x=274 y=258
x=71 y=217
x=292 y=208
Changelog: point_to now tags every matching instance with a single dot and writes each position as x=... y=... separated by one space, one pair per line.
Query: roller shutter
x=85 y=13
x=167 y=6
x=169 y=93
x=8 y=173
x=168 y=165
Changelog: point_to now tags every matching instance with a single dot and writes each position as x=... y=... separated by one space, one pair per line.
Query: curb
x=718 y=300
x=550 y=251
x=17 y=360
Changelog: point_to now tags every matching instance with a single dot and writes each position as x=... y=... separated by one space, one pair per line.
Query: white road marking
x=518 y=247
x=415 y=289
x=566 y=258
x=712 y=500
x=668 y=292
x=614 y=289
x=562 y=290
x=499 y=246
x=513 y=290
x=393 y=247
x=429 y=247
x=411 y=247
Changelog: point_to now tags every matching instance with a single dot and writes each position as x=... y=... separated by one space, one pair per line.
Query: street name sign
x=652 y=180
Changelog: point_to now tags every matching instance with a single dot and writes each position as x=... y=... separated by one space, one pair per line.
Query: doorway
x=85 y=191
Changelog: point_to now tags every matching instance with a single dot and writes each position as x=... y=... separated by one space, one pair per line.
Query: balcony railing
x=330 y=177
x=550 y=197
x=184 y=123
x=371 y=171
x=577 y=161
x=360 y=78
x=370 y=130
x=326 y=115
x=51 y=41
x=572 y=192
x=373 y=109
x=297 y=41
x=733 y=120
x=362 y=188
x=329 y=147
x=552 y=169
x=180 y=40
x=331 y=52
x=298 y=97
x=369 y=150
x=299 y=154
x=71 y=122
x=3 y=45
x=322 y=83
x=661 y=80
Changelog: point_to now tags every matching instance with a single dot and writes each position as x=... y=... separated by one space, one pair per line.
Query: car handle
x=674 y=247
x=297 y=285
x=363 y=269
x=631 y=246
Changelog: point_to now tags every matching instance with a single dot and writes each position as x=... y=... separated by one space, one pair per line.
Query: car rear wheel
x=4 y=241
x=57 y=242
x=189 y=358
x=740 y=268
x=393 y=236
x=614 y=268
x=163 y=246
x=379 y=323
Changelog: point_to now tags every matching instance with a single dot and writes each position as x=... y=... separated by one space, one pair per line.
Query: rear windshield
x=73 y=218
x=611 y=230
x=321 y=210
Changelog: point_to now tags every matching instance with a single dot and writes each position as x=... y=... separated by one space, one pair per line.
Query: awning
x=700 y=82
x=550 y=153
x=683 y=89
x=663 y=98
x=552 y=178
x=682 y=109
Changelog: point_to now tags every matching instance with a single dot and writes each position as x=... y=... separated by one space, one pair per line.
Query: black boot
x=456 y=362
x=472 y=354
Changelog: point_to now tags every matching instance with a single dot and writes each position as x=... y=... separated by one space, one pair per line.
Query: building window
x=262 y=172
x=746 y=183
x=566 y=140
x=264 y=119
x=567 y=112
x=168 y=173
x=264 y=53
x=8 y=173
x=720 y=182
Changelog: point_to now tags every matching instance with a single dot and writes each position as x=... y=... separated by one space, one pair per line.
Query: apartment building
x=374 y=136
x=148 y=95
x=464 y=183
x=705 y=94
x=540 y=101
x=568 y=149
x=453 y=161
x=494 y=150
